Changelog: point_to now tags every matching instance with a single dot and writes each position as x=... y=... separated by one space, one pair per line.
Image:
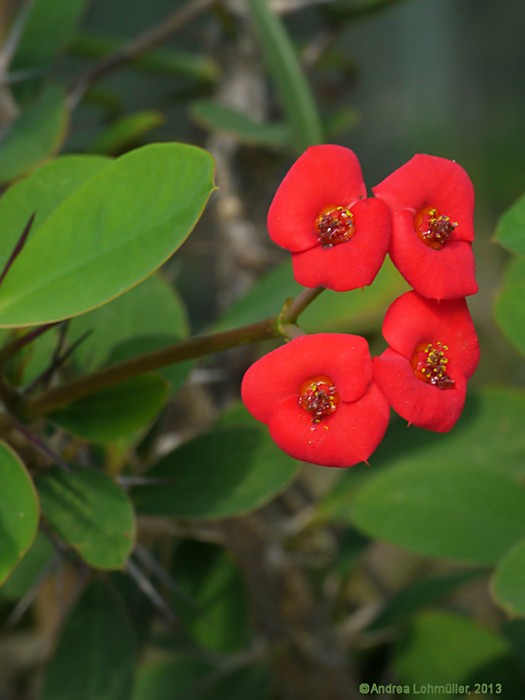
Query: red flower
x=432 y=203
x=318 y=399
x=338 y=238
x=433 y=352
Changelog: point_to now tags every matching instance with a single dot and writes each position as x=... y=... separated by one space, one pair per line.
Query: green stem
x=114 y=374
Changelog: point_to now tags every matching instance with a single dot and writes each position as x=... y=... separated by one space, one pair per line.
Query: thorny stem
x=282 y=325
x=136 y=47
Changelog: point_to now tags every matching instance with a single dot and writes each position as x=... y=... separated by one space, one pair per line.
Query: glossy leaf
x=508 y=582
x=19 y=511
x=95 y=656
x=41 y=193
x=35 y=136
x=443 y=510
x=357 y=311
x=116 y=411
x=285 y=70
x=152 y=308
x=510 y=232
x=109 y=235
x=127 y=131
x=90 y=513
x=444 y=648
x=509 y=309
x=218 y=117
x=218 y=475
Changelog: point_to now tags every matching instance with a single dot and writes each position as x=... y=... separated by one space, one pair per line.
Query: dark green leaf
x=440 y=509
x=90 y=513
x=125 y=132
x=27 y=572
x=109 y=235
x=214 y=116
x=443 y=648
x=95 y=656
x=35 y=136
x=508 y=582
x=510 y=232
x=509 y=308
x=117 y=411
x=19 y=511
x=221 y=474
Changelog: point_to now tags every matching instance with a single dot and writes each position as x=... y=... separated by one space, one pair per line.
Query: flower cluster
x=324 y=398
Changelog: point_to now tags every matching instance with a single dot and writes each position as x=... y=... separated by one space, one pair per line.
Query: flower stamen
x=334 y=225
x=433 y=228
x=319 y=397
x=430 y=365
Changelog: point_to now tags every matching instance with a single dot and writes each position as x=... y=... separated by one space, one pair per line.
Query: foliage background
x=364 y=590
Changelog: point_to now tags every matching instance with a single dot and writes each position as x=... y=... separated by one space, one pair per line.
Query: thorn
x=19 y=246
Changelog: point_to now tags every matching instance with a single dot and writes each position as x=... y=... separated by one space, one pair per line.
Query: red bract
x=337 y=237
x=433 y=351
x=432 y=204
x=318 y=399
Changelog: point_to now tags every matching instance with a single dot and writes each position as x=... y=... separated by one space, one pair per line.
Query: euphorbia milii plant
x=320 y=213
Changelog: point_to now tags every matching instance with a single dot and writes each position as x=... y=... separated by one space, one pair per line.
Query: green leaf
x=90 y=513
x=508 y=582
x=295 y=95
x=444 y=648
x=212 y=115
x=162 y=61
x=35 y=136
x=152 y=308
x=41 y=193
x=47 y=30
x=182 y=679
x=422 y=593
x=128 y=130
x=218 y=475
x=29 y=569
x=95 y=656
x=510 y=231
x=109 y=235
x=218 y=617
x=116 y=411
x=489 y=435
x=509 y=308
x=442 y=510
x=357 y=311
x=19 y=511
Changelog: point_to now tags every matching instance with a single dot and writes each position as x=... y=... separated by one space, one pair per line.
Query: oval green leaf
x=508 y=581
x=18 y=511
x=510 y=232
x=509 y=308
x=95 y=656
x=35 y=136
x=441 y=510
x=126 y=131
x=221 y=474
x=117 y=411
x=90 y=513
x=109 y=235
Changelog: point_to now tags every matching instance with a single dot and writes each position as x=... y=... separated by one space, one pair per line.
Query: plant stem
x=106 y=377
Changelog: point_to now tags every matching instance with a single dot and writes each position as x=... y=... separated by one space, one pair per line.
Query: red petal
x=412 y=320
x=322 y=176
x=345 y=438
x=432 y=181
x=421 y=404
x=280 y=374
x=448 y=273
x=352 y=264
